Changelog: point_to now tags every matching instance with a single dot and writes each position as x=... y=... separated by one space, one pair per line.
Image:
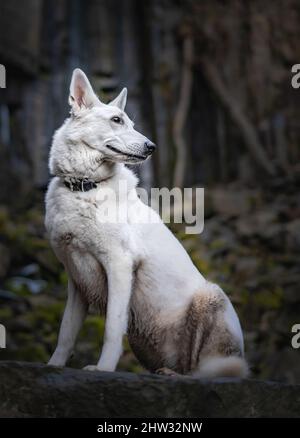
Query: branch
x=243 y=123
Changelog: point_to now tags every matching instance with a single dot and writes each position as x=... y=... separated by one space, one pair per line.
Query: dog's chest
x=105 y=206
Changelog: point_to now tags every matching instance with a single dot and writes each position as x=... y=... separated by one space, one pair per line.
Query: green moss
x=5 y=314
x=135 y=369
x=50 y=314
x=63 y=278
x=126 y=345
x=244 y=297
x=201 y=264
x=32 y=352
x=269 y=299
x=93 y=329
x=182 y=235
x=217 y=244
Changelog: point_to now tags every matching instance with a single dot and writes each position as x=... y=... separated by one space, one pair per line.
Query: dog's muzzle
x=150 y=147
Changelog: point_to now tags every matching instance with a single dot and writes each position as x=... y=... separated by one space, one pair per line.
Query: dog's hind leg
x=74 y=315
x=211 y=341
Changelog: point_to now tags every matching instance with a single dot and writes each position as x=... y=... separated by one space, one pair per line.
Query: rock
x=33 y=390
x=263 y=225
x=23 y=284
x=29 y=270
x=230 y=203
x=247 y=266
x=8 y=295
x=277 y=364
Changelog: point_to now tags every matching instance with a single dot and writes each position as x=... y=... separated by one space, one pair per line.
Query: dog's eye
x=117 y=119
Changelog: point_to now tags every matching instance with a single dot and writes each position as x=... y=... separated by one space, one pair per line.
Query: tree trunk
x=182 y=111
x=243 y=123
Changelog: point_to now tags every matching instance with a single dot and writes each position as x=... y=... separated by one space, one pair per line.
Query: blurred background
x=210 y=83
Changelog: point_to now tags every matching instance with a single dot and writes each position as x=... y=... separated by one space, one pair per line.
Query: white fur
x=117 y=249
x=230 y=366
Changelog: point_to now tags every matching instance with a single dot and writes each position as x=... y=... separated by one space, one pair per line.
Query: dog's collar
x=80 y=184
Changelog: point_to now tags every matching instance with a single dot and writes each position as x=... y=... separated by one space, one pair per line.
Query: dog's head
x=106 y=128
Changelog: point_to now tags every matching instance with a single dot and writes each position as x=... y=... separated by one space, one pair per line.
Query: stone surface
x=34 y=390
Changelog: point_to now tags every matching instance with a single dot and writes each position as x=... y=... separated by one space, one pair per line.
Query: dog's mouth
x=126 y=154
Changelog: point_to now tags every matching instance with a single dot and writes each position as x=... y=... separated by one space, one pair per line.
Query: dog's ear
x=81 y=92
x=120 y=101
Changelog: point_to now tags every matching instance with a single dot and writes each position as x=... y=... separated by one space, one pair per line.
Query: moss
x=63 y=278
x=136 y=369
x=182 y=235
x=244 y=297
x=201 y=264
x=50 y=314
x=217 y=244
x=269 y=299
x=5 y=314
x=51 y=339
x=126 y=345
x=93 y=329
x=33 y=352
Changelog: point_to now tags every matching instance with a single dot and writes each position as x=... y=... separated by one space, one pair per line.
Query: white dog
x=137 y=274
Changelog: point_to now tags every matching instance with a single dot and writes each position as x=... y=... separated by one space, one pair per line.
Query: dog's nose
x=150 y=147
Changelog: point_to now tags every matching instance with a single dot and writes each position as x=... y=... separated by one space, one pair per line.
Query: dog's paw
x=91 y=368
x=166 y=372
x=58 y=365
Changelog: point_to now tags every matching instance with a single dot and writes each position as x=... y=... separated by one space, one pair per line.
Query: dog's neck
x=110 y=174
x=77 y=182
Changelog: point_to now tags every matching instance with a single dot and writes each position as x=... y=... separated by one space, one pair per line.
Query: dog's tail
x=217 y=366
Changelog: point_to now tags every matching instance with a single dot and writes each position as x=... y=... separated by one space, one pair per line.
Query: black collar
x=80 y=184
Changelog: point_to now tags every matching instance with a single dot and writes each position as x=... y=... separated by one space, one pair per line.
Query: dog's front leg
x=119 y=275
x=73 y=318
